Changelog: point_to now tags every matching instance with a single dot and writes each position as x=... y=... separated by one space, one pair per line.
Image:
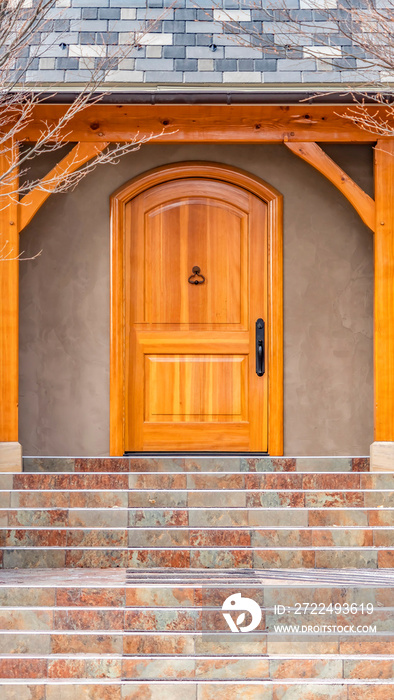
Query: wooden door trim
x=274 y=201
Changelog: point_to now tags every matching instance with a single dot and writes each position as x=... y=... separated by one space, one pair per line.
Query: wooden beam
x=31 y=202
x=204 y=123
x=9 y=304
x=360 y=200
x=384 y=292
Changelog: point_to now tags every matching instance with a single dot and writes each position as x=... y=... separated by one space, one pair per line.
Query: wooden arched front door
x=193 y=248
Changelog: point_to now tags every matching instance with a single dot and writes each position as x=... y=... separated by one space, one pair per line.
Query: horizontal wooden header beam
x=205 y=123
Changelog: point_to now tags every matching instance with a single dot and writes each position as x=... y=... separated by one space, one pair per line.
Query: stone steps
x=115 y=572
x=126 y=634
x=229 y=519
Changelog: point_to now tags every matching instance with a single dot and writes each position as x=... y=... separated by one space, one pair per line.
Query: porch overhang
x=227 y=118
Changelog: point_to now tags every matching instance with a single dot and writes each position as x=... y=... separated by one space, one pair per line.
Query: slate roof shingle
x=188 y=45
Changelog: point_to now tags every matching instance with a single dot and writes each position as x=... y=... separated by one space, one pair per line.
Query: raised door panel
x=203 y=388
x=193 y=232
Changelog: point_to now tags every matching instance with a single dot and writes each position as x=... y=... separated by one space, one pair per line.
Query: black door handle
x=260 y=347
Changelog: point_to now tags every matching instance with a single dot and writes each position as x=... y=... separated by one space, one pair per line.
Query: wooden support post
x=10 y=450
x=382 y=451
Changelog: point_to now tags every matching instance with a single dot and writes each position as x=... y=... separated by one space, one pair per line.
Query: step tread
x=173 y=682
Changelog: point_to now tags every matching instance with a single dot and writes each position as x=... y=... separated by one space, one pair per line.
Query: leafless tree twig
x=21 y=21
x=357 y=42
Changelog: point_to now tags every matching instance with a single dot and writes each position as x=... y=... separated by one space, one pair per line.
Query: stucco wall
x=328 y=272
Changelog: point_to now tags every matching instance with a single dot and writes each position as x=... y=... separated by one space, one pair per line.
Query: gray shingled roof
x=188 y=46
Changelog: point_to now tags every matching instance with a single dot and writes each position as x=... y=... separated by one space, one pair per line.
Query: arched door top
x=195 y=169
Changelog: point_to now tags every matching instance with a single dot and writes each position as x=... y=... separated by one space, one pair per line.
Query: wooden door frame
x=274 y=323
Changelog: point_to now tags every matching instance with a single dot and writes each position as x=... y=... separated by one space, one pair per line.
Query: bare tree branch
x=355 y=41
x=20 y=24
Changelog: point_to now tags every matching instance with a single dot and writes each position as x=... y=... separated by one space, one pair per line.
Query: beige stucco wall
x=328 y=271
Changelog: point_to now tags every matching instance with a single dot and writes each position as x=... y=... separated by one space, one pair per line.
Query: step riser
x=183 y=690
x=193 y=481
x=186 y=537
x=177 y=596
x=198 y=464
x=185 y=620
x=197 y=499
x=211 y=518
x=192 y=669
x=198 y=558
x=178 y=644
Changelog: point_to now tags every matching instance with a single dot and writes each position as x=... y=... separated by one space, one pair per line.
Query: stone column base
x=10 y=457
x=382 y=457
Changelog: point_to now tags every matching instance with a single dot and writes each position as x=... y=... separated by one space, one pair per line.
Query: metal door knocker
x=196 y=273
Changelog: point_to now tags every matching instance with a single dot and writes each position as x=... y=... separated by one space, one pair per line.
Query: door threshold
x=196 y=454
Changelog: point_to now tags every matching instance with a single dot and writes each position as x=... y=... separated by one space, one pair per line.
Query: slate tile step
x=245 y=498
x=190 y=690
x=199 y=557
x=179 y=643
x=197 y=463
x=196 y=619
x=165 y=518
x=181 y=594
x=201 y=668
x=197 y=480
x=196 y=537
